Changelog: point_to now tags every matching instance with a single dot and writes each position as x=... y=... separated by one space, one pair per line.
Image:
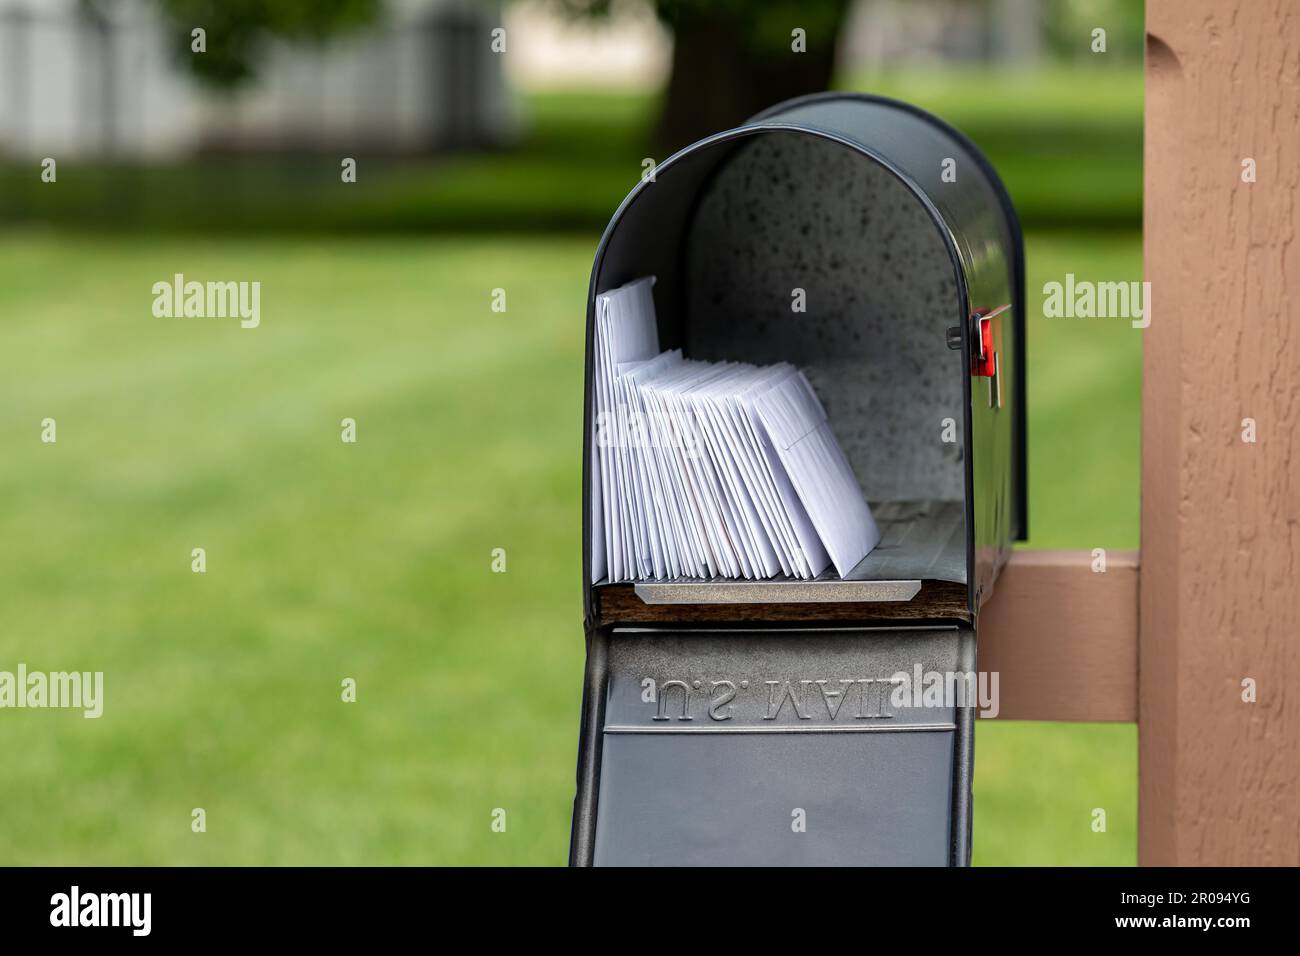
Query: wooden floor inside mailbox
x=923 y=543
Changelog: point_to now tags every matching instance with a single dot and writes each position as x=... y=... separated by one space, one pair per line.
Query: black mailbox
x=785 y=721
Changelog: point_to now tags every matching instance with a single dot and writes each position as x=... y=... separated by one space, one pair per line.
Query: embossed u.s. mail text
x=817 y=699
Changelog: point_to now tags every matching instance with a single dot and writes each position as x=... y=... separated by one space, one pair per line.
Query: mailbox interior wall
x=790 y=211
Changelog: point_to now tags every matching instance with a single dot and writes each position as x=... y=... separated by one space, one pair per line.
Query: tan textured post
x=1219 y=779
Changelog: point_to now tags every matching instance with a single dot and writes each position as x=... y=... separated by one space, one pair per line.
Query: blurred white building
x=424 y=78
x=628 y=50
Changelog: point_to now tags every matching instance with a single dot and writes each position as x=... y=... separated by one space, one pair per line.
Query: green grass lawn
x=372 y=561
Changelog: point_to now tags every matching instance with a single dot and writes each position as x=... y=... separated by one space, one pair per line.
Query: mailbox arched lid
x=977 y=244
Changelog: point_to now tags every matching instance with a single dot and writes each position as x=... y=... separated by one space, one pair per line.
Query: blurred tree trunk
x=721 y=74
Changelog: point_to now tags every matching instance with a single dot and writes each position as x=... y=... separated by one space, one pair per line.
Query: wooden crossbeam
x=1062 y=637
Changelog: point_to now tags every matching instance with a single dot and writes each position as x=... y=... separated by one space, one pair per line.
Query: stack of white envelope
x=711 y=469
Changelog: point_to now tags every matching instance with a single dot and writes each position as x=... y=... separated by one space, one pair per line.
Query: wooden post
x=1219 y=778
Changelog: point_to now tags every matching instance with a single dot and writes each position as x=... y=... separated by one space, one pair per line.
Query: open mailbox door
x=826 y=721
